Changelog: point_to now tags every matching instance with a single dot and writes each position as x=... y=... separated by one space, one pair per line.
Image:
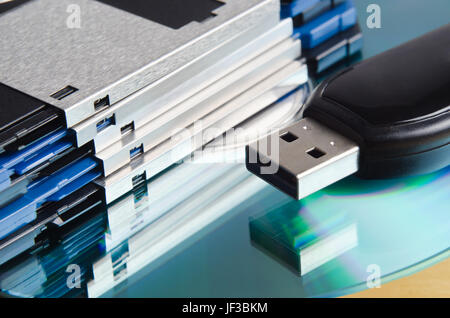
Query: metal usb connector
x=303 y=158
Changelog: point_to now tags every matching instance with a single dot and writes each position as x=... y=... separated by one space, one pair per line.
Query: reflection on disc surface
x=342 y=236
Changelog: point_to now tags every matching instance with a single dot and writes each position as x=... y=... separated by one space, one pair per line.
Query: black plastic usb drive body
x=388 y=116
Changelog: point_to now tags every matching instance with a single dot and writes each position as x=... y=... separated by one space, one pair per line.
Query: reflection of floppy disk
x=43 y=273
x=52 y=221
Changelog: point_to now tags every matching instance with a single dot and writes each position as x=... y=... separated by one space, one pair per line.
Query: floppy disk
x=19 y=168
x=148 y=200
x=328 y=30
x=24 y=119
x=81 y=78
x=334 y=50
x=294 y=8
x=55 y=146
x=326 y=25
x=30 y=217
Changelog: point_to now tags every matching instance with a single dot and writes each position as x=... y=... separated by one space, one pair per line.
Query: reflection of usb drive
x=388 y=116
x=302 y=244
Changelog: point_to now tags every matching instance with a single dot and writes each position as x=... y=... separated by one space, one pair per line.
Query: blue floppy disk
x=4 y=179
x=20 y=163
x=296 y=7
x=74 y=186
x=43 y=156
x=327 y=25
x=9 y=160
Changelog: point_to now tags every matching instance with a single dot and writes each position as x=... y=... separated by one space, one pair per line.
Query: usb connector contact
x=303 y=158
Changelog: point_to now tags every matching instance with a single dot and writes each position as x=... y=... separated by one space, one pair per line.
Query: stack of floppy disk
x=95 y=112
x=92 y=106
x=111 y=246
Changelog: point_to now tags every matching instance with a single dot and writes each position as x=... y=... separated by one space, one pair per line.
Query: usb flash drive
x=387 y=117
